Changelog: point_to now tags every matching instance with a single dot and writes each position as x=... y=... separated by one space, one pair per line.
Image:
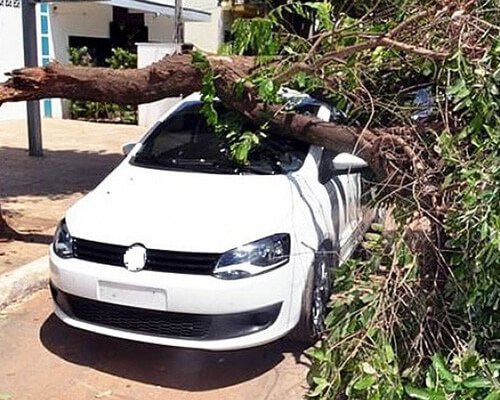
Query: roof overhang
x=160 y=7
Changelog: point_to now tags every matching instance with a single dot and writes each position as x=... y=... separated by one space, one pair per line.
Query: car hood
x=182 y=211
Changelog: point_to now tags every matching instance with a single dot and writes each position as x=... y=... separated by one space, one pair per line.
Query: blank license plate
x=134 y=296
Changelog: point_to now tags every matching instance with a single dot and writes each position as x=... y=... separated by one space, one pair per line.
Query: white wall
x=200 y=5
x=148 y=53
x=92 y=19
x=77 y=19
x=207 y=36
x=160 y=28
x=11 y=55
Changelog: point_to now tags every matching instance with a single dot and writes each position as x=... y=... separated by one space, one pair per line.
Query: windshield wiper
x=222 y=166
x=229 y=164
x=198 y=164
x=258 y=169
x=152 y=159
x=201 y=164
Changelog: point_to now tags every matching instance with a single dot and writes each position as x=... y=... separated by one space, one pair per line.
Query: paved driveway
x=41 y=358
x=35 y=192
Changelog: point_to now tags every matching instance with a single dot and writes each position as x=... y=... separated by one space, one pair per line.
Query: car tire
x=316 y=297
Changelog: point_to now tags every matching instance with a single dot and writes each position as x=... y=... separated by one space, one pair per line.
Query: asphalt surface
x=42 y=358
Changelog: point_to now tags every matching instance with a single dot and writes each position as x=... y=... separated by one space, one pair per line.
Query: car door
x=343 y=185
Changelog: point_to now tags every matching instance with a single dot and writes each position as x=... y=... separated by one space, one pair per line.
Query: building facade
x=100 y=26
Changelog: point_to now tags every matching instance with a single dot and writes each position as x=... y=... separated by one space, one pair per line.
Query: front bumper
x=164 y=323
x=199 y=311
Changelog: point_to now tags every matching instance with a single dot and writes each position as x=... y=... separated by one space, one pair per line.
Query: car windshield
x=184 y=141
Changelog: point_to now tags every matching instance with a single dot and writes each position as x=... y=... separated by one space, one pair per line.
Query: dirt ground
x=35 y=192
x=41 y=358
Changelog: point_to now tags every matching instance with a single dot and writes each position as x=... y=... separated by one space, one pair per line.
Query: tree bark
x=339 y=138
x=176 y=76
x=170 y=77
x=6 y=232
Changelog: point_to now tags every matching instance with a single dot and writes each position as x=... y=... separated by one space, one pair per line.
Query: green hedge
x=98 y=111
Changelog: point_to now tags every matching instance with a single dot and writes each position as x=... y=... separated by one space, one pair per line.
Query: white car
x=181 y=246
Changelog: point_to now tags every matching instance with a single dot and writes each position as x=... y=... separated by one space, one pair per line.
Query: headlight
x=254 y=258
x=63 y=242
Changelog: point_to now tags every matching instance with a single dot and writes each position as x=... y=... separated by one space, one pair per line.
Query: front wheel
x=317 y=293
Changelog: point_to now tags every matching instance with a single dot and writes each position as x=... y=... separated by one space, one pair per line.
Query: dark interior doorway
x=127 y=29
x=99 y=48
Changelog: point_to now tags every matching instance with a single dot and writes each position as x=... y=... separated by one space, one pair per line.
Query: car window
x=185 y=141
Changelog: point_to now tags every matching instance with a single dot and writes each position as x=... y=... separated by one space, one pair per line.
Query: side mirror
x=127 y=148
x=346 y=161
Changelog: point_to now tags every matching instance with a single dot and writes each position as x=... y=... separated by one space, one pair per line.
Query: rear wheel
x=316 y=297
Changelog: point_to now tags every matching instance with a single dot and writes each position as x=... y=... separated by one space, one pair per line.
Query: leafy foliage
x=473 y=222
x=412 y=317
x=229 y=126
x=470 y=378
x=358 y=357
x=97 y=111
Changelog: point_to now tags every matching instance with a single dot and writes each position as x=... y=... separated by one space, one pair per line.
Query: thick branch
x=176 y=75
x=313 y=130
x=171 y=77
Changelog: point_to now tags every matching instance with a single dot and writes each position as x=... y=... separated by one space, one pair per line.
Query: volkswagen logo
x=135 y=258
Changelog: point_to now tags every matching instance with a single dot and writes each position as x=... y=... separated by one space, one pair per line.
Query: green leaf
x=456 y=88
x=470 y=359
x=323 y=9
x=477 y=383
x=389 y=353
x=416 y=393
x=368 y=369
x=494 y=89
x=495 y=395
x=318 y=353
x=440 y=368
x=365 y=382
x=320 y=385
x=199 y=60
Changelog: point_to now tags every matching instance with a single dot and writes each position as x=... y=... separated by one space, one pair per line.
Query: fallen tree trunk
x=340 y=138
x=172 y=76
x=177 y=76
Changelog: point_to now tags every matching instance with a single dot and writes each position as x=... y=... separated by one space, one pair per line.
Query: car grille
x=153 y=322
x=165 y=323
x=156 y=260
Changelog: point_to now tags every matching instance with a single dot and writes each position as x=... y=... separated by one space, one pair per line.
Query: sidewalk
x=36 y=192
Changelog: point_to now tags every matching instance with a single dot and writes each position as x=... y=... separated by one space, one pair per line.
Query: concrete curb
x=23 y=281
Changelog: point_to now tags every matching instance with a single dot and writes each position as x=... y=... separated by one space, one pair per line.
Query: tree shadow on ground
x=57 y=173
x=39 y=238
x=184 y=369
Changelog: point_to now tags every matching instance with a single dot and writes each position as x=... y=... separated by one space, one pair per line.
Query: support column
x=178 y=24
x=31 y=60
